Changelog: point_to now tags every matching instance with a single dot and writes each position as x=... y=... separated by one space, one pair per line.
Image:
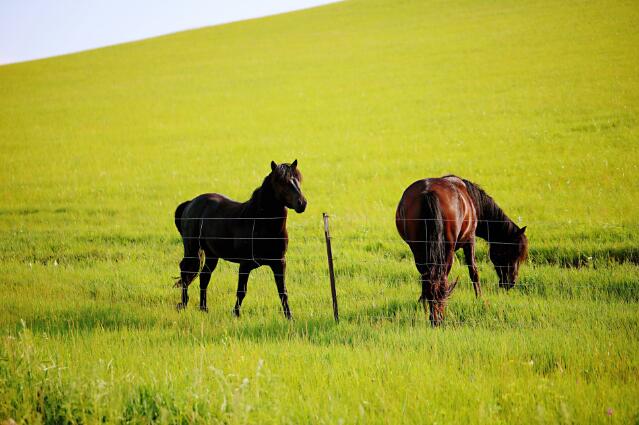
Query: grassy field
x=537 y=101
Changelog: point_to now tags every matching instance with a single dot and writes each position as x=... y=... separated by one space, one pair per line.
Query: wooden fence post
x=331 y=273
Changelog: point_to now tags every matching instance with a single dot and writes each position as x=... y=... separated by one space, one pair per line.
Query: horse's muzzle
x=301 y=206
x=507 y=285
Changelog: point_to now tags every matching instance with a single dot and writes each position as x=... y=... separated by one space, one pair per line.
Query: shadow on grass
x=609 y=291
x=365 y=325
x=593 y=257
x=87 y=319
x=358 y=324
x=372 y=324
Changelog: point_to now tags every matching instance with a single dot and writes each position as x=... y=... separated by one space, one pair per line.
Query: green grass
x=537 y=101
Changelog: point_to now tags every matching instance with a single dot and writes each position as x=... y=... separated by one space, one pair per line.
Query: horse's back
x=208 y=204
x=189 y=214
x=455 y=206
x=409 y=206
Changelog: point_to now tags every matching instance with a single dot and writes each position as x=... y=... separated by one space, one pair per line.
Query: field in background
x=536 y=101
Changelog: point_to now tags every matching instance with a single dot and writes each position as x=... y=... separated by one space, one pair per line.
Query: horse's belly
x=241 y=250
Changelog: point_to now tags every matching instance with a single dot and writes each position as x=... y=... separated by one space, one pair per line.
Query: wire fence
x=351 y=241
x=483 y=284
x=347 y=263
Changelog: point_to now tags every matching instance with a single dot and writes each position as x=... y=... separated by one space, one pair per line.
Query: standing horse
x=252 y=233
x=437 y=216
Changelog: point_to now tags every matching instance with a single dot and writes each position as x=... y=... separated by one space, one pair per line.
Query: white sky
x=33 y=29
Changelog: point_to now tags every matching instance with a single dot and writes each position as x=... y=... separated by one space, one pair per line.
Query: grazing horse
x=252 y=233
x=437 y=216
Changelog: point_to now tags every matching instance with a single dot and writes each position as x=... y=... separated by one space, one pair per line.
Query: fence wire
x=351 y=241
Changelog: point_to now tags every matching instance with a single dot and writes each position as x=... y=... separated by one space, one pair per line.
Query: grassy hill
x=536 y=101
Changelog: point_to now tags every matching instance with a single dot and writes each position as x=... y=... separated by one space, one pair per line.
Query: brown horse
x=437 y=216
x=252 y=233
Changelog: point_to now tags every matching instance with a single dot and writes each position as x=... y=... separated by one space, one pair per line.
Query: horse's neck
x=494 y=226
x=270 y=213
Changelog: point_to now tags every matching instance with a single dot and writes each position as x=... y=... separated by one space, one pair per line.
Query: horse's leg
x=428 y=298
x=205 y=277
x=424 y=271
x=450 y=258
x=442 y=293
x=189 y=268
x=469 y=256
x=279 y=269
x=243 y=275
x=433 y=292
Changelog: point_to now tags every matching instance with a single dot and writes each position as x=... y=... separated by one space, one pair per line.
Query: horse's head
x=286 y=180
x=507 y=256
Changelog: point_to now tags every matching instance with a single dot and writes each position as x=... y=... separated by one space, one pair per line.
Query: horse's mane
x=285 y=171
x=492 y=220
x=486 y=206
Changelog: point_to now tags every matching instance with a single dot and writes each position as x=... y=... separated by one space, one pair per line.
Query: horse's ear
x=522 y=230
x=273 y=165
x=294 y=164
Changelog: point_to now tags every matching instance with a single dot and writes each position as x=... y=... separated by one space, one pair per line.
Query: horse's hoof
x=204 y=309
x=180 y=306
x=236 y=313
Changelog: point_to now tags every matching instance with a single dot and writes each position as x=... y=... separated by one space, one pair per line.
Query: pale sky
x=33 y=29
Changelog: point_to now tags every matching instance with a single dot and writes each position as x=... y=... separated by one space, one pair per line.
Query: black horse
x=252 y=233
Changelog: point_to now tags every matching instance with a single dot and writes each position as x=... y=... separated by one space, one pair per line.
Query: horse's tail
x=434 y=238
x=178 y=215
